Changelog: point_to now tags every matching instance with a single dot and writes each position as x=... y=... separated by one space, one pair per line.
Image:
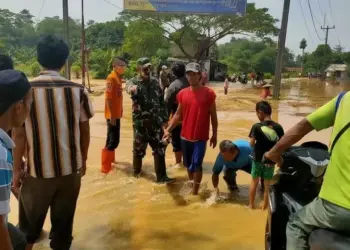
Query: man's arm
x=109 y=95
x=130 y=87
x=164 y=115
x=320 y=119
x=84 y=139
x=214 y=120
x=170 y=97
x=218 y=166
x=252 y=142
x=20 y=140
x=175 y=120
x=5 y=241
x=86 y=113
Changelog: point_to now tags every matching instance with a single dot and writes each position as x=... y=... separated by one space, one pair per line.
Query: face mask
x=120 y=70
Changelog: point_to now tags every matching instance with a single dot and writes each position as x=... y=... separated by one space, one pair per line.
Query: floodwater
x=119 y=212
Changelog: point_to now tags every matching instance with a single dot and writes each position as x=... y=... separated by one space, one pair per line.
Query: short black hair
x=264 y=107
x=178 y=69
x=227 y=146
x=5 y=62
x=118 y=59
x=52 y=52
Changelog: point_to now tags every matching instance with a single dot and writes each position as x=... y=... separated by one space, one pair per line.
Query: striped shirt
x=6 y=171
x=52 y=128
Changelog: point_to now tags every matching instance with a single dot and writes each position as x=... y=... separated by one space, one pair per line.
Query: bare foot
x=263 y=206
x=251 y=206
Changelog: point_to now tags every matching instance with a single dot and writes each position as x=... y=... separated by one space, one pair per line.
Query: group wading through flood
x=148 y=197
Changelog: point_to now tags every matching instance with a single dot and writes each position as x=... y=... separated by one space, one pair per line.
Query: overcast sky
x=338 y=15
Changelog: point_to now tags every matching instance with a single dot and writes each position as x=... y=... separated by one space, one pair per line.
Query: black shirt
x=262 y=143
x=172 y=91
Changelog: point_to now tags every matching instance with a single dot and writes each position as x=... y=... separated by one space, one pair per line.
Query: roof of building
x=336 y=67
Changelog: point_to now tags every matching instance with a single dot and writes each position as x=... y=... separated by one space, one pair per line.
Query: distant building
x=339 y=71
x=293 y=69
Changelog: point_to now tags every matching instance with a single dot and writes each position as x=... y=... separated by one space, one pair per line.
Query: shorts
x=193 y=154
x=176 y=138
x=262 y=171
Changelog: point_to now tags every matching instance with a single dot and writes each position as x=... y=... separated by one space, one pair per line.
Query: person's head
x=52 y=52
x=5 y=62
x=144 y=67
x=119 y=65
x=193 y=74
x=263 y=110
x=228 y=150
x=15 y=98
x=178 y=69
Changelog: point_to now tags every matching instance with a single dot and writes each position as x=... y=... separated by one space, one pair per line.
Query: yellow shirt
x=336 y=184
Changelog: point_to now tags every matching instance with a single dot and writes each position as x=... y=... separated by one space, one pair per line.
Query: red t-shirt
x=195 y=107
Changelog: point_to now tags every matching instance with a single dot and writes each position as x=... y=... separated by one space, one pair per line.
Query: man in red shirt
x=196 y=109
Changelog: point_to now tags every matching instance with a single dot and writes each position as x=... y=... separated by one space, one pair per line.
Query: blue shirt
x=241 y=160
x=6 y=170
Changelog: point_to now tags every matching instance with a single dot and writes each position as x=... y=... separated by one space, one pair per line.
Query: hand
x=17 y=181
x=83 y=169
x=275 y=157
x=213 y=141
x=113 y=121
x=166 y=135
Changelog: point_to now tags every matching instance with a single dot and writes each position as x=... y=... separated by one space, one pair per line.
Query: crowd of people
x=46 y=122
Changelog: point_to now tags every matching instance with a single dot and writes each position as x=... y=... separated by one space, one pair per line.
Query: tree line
x=155 y=35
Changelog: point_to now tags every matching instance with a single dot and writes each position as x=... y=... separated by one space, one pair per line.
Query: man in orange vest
x=113 y=112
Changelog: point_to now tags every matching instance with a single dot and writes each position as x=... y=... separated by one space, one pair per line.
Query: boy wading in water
x=196 y=109
x=263 y=136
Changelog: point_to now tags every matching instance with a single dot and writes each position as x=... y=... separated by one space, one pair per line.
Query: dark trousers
x=60 y=194
x=113 y=135
x=230 y=175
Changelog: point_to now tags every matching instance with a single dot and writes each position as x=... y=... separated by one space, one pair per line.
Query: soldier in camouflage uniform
x=150 y=116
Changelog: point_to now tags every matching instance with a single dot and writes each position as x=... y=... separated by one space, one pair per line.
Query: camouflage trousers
x=152 y=136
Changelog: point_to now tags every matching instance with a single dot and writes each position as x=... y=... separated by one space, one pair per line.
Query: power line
x=307 y=27
x=41 y=8
x=113 y=4
x=332 y=19
x=313 y=21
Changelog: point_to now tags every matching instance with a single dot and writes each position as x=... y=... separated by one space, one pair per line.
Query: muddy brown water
x=119 y=212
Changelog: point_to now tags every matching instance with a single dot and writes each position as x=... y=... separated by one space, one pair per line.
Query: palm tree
x=303 y=45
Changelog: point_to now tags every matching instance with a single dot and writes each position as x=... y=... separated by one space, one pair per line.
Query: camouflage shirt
x=148 y=102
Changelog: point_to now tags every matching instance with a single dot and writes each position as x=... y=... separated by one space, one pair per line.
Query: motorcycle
x=298 y=182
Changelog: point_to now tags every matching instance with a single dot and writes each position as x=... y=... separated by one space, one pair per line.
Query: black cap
x=14 y=85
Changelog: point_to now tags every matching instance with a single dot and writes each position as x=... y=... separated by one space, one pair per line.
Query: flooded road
x=119 y=212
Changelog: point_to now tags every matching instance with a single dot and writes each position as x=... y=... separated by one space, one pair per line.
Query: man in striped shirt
x=55 y=139
x=15 y=103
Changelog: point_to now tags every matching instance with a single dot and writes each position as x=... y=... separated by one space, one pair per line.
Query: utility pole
x=281 y=46
x=66 y=34
x=327 y=28
x=83 y=66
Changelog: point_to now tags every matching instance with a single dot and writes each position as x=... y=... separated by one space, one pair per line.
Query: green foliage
x=318 y=60
x=108 y=35
x=242 y=55
x=303 y=44
x=100 y=62
x=131 y=70
x=144 y=39
x=267 y=75
x=180 y=29
x=34 y=69
x=76 y=69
